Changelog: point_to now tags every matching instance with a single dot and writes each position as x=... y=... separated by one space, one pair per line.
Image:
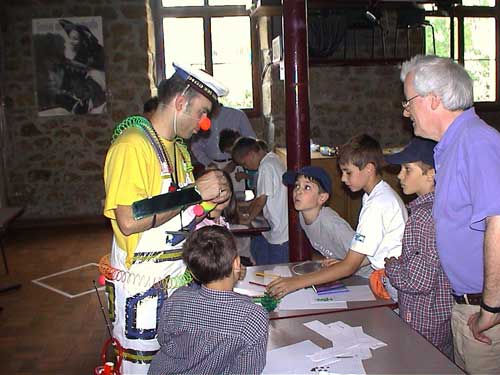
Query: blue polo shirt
x=467 y=162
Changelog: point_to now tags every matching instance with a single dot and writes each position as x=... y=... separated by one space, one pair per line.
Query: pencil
x=259 y=284
x=262 y=274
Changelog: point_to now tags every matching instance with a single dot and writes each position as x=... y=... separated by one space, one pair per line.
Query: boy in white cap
x=148 y=159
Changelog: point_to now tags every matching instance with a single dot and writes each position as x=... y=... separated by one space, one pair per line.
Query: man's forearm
x=256 y=206
x=128 y=225
x=491 y=291
x=327 y=274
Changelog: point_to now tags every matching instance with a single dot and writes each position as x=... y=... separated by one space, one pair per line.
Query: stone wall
x=348 y=100
x=55 y=163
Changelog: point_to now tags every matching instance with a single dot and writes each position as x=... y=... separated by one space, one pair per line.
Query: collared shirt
x=206 y=331
x=205 y=147
x=381 y=225
x=276 y=209
x=467 y=162
x=424 y=293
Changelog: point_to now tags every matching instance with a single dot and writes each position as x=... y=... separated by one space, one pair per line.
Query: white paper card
x=291 y=359
x=302 y=300
x=356 y=293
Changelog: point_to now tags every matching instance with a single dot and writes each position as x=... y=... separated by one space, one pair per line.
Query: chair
x=412 y=19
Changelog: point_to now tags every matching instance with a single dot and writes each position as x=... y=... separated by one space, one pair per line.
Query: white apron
x=136 y=295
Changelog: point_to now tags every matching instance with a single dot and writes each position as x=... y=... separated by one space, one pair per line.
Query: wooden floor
x=41 y=331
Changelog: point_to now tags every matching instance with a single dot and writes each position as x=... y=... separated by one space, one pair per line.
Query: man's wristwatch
x=493 y=310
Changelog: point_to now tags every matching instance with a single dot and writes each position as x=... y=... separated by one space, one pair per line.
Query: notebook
x=330 y=288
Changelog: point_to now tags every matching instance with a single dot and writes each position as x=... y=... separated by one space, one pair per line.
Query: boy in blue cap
x=381 y=220
x=424 y=293
x=328 y=233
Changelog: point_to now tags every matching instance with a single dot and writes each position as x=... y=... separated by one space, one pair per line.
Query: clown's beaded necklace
x=155 y=140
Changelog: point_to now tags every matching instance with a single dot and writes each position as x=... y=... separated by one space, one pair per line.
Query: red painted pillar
x=297 y=110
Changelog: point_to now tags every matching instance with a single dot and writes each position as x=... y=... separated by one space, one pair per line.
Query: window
x=214 y=35
x=469 y=34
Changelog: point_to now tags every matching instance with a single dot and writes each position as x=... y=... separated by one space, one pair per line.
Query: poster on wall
x=69 y=66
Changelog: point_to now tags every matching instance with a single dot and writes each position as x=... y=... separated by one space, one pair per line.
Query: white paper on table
x=346 y=341
x=347 y=366
x=361 y=337
x=355 y=293
x=291 y=359
x=247 y=289
x=244 y=287
x=368 y=340
x=302 y=300
x=321 y=329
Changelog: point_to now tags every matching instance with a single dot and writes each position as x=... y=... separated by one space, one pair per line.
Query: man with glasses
x=149 y=183
x=467 y=208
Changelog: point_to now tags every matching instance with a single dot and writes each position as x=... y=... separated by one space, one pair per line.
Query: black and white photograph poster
x=69 y=66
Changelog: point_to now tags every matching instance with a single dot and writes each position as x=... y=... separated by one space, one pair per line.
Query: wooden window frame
x=207 y=12
x=460 y=12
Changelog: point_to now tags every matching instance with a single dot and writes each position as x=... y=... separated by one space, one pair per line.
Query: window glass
x=181 y=3
x=442 y=36
x=230 y=2
x=232 y=59
x=191 y=30
x=486 y=3
x=479 y=56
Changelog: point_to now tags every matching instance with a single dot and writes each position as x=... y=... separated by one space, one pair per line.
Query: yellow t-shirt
x=131 y=173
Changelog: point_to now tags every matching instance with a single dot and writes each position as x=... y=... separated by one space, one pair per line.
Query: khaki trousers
x=474 y=356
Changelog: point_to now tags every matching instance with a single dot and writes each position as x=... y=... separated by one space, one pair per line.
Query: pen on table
x=263 y=274
x=259 y=284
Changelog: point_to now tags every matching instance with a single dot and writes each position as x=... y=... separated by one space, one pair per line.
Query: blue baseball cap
x=419 y=149
x=317 y=173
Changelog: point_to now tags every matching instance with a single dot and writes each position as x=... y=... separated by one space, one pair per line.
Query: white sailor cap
x=202 y=82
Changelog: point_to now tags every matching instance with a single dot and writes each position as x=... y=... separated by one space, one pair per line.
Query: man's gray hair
x=442 y=77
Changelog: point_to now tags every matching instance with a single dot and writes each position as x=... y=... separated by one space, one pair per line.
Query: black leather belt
x=469 y=299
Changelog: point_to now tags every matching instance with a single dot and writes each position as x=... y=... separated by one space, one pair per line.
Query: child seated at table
x=329 y=234
x=271 y=200
x=424 y=292
x=210 y=329
x=381 y=221
x=223 y=212
x=227 y=139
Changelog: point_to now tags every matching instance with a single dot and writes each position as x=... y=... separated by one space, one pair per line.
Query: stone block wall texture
x=349 y=100
x=55 y=164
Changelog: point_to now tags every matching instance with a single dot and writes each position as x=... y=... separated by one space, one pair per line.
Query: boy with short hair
x=227 y=138
x=381 y=221
x=210 y=329
x=424 y=292
x=271 y=199
x=329 y=234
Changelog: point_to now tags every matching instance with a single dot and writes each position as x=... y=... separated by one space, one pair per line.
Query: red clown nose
x=205 y=123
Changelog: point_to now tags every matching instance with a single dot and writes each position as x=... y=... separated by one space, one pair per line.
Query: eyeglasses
x=406 y=103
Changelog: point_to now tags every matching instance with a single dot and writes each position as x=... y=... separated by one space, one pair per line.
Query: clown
x=149 y=183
